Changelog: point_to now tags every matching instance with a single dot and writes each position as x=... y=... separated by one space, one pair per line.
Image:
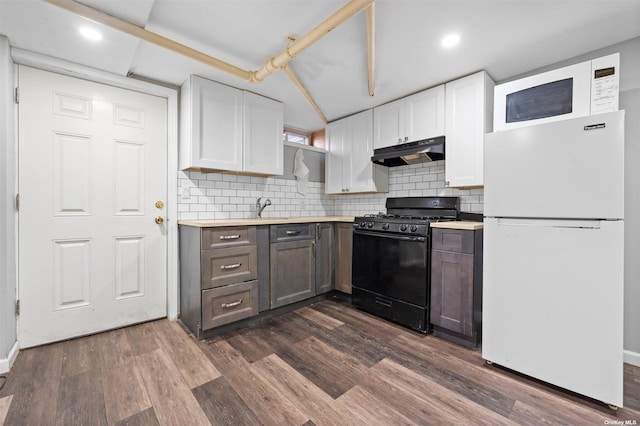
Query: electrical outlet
x=186 y=193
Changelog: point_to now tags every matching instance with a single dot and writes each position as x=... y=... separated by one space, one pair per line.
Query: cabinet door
x=452 y=291
x=424 y=115
x=216 y=125
x=293 y=272
x=344 y=233
x=324 y=258
x=359 y=169
x=388 y=127
x=466 y=122
x=263 y=127
x=335 y=138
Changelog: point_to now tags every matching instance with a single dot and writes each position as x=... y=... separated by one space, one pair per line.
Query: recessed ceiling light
x=90 y=34
x=450 y=40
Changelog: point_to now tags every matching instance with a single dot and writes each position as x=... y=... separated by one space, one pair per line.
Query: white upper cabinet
x=223 y=128
x=469 y=115
x=263 y=127
x=416 y=117
x=348 y=166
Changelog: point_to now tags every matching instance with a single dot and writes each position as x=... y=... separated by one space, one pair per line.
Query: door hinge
x=17 y=95
x=18 y=202
x=17 y=308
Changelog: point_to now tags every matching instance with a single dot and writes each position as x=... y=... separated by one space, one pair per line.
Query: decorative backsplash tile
x=226 y=196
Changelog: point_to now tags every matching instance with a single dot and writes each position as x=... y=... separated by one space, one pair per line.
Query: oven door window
x=391 y=265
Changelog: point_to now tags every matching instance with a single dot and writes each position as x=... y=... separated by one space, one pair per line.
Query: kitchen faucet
x=260 y=207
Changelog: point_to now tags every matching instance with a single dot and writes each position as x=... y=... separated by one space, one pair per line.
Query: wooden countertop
x=459 y=224
x=263 y=221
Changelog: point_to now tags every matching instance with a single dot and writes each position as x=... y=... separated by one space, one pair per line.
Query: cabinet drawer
x=294 y=231
x=229 y=265
x=228 y=236
x=457 y=240
x=230 y=303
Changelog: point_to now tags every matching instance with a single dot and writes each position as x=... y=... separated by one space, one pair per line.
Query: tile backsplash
x=205 y=196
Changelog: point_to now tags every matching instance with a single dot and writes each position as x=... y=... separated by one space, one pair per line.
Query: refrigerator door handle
x=551 y=223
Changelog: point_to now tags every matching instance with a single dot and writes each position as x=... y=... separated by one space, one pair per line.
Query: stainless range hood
x=410 y=153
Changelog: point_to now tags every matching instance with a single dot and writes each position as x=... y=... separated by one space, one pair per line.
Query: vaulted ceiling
x=503 y=37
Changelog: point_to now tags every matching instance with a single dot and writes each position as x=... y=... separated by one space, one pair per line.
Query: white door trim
x=48 y=63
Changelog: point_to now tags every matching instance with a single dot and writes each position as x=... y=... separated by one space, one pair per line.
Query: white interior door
x=92 y=167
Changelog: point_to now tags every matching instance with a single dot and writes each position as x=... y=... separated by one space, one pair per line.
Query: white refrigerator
x=553 y=253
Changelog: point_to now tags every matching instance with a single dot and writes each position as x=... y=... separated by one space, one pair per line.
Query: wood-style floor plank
x=80 y=400
x=124 y=391
x=324 y=320
x=222 y=405
x=4 y=407
x=268 y=404
x=319 y=407
x=172 y=400
x=327 y=363
x=331 y=370
x=192 y=363
x=370 y=409
x=252 y=344
x=34 y=389
x=142 y=338
x=143 y=418
x=441 y=403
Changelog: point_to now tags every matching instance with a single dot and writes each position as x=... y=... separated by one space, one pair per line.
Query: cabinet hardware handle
x=313 y=249
x=293 y=232
x=232 y=304
x=229 y=237
x=318 y=231
x=232 y=266
x=406 y=138
x=399 y=140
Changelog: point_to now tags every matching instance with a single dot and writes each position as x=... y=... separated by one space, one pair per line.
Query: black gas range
x=391 y=258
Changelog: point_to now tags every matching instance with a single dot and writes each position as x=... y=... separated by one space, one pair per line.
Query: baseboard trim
x=632 y=358
x=7 y=363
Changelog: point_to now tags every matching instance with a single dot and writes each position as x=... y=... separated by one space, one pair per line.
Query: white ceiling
x=503 y=37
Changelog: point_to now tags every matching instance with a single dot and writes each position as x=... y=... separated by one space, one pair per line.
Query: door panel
x=92 y=165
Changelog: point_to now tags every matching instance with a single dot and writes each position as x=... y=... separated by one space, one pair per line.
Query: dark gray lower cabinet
x=344 y=254
x=232 y=273
x=293 y=271
x=325 y=269
x=456 y=285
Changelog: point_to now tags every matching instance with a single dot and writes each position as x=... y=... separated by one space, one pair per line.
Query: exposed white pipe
x=279 y=61
x=371 y=46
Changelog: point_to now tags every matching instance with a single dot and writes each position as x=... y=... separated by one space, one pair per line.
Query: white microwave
x=587 y=88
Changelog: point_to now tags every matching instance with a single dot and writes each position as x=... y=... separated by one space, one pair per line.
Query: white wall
x=7 y=213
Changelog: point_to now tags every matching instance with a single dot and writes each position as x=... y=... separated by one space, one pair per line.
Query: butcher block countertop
x=458 y=224
x=263 y=221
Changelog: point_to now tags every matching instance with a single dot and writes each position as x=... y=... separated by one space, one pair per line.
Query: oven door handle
x=390 y=236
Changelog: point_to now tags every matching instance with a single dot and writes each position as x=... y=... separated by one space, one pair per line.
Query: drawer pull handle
x=231 y=266
x=232 y=304
x=229 y=237
x=293 y=232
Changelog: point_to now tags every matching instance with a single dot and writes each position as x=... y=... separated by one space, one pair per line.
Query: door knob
x=159 y=220
x=159 y=204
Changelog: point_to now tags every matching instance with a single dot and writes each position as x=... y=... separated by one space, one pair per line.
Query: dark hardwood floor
x=326 y=364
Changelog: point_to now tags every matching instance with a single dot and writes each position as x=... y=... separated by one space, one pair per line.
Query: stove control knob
x=385 y=226
x=403 y=227
x=369 y=224
x=414 y=228
x=363 y=224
